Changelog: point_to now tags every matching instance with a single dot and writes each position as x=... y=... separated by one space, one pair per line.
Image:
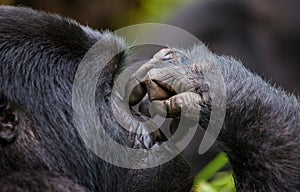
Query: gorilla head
x=39 y=56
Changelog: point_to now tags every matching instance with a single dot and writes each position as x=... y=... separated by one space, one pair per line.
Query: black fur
x=39 y=55
x=38 y=182
x=261 y=130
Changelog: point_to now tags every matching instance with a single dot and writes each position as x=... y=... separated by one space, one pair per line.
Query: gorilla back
x=39 y=56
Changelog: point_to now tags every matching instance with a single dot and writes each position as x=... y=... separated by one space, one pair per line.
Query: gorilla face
x=39 y=56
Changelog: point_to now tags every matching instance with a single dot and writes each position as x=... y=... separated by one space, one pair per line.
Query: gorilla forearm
x=260 y=132
x=254 y=105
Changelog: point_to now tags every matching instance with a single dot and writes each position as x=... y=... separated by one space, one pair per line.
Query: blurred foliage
x=112 y=14
x=6 y=2
x=156 y=10
x=211 y=179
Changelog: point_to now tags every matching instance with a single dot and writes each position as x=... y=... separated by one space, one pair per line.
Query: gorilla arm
x=261 y=131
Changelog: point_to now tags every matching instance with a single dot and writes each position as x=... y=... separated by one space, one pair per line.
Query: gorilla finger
x=140 y=86
x=155 y=92
x=135 y=88
x=157 y=62
x=144 y=105
x=141 y=73
x=176 y=79
x=135 y=91
x=187 y=104
x=165 y=86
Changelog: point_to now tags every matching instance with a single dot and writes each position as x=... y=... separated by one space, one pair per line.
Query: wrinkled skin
x=261 y=130
x=180 y=90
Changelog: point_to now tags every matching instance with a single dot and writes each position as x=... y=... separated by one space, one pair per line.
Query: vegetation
x=211 y=179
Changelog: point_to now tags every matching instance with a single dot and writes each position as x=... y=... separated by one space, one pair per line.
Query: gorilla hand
x=173 y=88
x=260 y=132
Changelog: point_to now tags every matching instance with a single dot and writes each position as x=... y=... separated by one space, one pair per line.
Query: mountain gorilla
x=39 y=56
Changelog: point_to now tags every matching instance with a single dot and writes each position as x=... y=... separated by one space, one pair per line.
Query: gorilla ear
x=8 y=122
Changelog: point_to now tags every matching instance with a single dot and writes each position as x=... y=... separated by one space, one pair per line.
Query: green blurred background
x=112 y=14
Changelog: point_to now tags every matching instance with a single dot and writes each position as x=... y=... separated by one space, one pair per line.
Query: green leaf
x=203 y=187
x=212 y=168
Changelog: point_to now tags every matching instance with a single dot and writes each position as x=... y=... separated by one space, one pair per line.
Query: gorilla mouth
x=145 y=141
x=176 y=170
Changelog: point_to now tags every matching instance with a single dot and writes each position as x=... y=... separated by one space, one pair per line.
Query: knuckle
x=164 y=54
